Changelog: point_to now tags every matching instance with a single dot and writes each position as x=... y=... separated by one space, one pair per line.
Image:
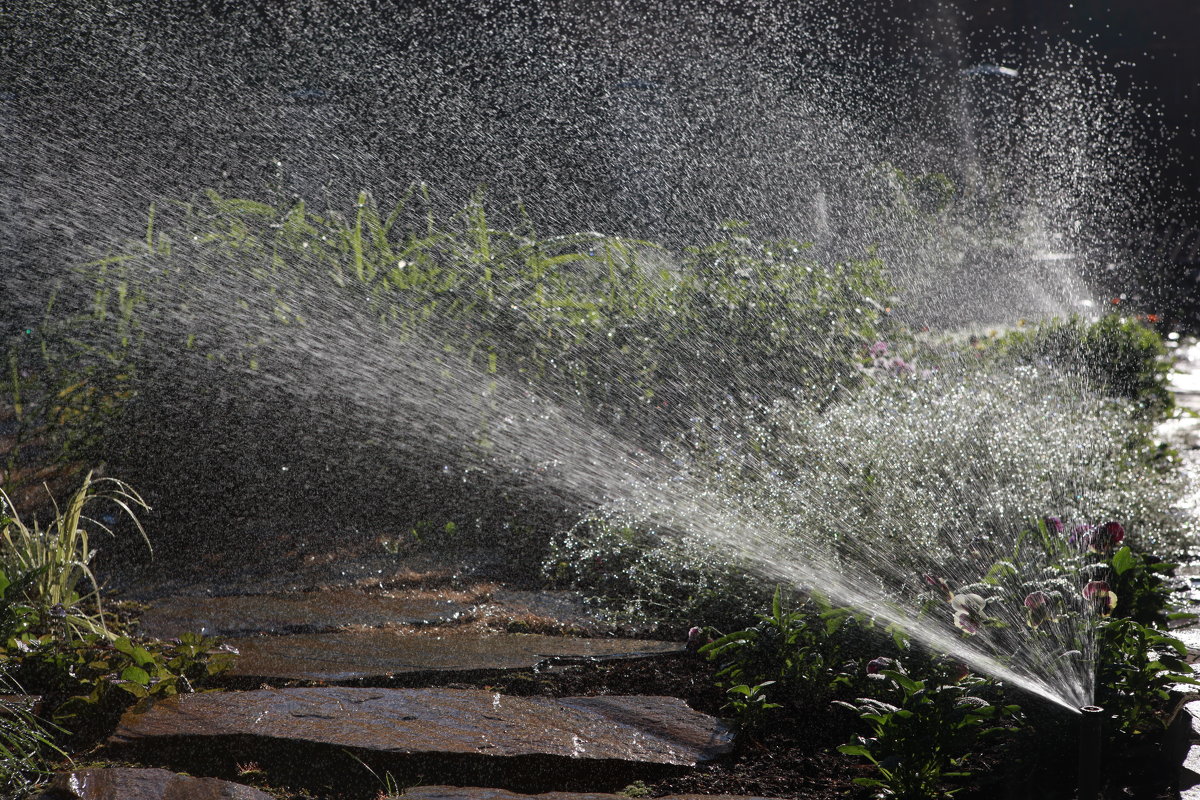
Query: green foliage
x=1136 y=668
x=748 y=705
x=1143 y=592
x=643 y=577
x=62 y=381
x=89 y=678
x=54 y=638
x=929 y=471
x=545 y=308
x=44 y=570
x=792 y=656
x=16 y=614
x=636 y=789
x=926 y=735
x=1117 y=356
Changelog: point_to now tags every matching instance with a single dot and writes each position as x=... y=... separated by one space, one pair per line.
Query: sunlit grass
x=52 y=563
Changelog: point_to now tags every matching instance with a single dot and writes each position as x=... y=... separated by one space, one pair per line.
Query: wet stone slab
x=142 y=784
x=483 y=793
x=381 y=653
x=565 y=608
x=299 y=612
x=421 y=723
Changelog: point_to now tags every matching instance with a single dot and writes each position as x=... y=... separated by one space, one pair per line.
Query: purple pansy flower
x=968 y=611
x=1081 y=535
x=1104 y=538
x=1102 y=597
x=1037 y=608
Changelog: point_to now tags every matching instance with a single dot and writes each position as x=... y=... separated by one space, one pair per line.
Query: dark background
x=105 y=105
x=1153 y=47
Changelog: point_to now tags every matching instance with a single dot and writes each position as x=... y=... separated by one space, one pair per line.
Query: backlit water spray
x=990 y=189
x=785 y=517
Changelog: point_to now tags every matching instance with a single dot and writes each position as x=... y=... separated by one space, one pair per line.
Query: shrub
x=1115 y=356
x=792 y=657
x=644 y=577
x=1137 y=667
x=321 y=337
x=676 y=333
x=924 y=734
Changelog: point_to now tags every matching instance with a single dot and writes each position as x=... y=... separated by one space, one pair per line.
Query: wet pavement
x=121 y=783
x=296 y=613
x=380 y=654
x=431 y=722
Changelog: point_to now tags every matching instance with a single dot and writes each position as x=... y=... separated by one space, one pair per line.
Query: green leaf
x=135 y=675
x=142 y=656
x=854 y=750
x=1123 y=560
x=136 y=689
x=907 y=683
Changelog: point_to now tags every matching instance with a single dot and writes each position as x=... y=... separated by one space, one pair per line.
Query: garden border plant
x=57 y=640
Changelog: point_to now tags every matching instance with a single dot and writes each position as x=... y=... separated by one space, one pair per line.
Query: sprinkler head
x=1089 y=752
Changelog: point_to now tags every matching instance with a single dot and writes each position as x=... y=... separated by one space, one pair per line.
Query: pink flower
x=1055 y=524
x=878 y=349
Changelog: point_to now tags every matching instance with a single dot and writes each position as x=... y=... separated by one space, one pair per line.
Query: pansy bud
x=877 y=665
x=940 y=586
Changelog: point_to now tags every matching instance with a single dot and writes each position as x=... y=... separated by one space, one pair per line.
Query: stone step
x=525 y=743
x=380 y=654
x=125 y=783
x=484 y=793
x=295 y=612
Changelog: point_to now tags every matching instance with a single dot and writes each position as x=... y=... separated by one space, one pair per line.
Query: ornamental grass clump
x=26 y=743
x=50 y=566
